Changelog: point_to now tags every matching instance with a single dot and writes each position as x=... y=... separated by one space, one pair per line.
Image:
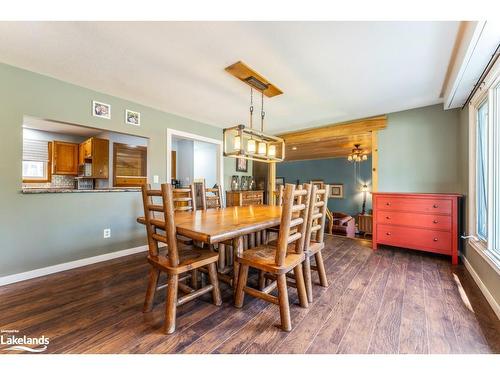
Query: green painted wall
x=42 y=230
x=419 y=152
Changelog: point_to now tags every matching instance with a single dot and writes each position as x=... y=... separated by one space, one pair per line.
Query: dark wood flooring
x=388 y=301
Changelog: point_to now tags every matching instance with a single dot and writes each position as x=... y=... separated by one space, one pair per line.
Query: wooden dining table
x=213 y=226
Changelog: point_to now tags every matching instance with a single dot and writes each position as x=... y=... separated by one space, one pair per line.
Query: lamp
x=357 y=154
x=364 y=189
x=261 y=150
x=251 y=144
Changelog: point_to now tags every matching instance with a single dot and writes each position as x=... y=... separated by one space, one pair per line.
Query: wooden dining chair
x=184 y=199
x=315 y=237
x=178 y=260
x=277 y=260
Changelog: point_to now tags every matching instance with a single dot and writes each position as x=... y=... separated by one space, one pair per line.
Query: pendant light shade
x=237 y=143
x=251 y=146
x=262 y=149
x=271 y=151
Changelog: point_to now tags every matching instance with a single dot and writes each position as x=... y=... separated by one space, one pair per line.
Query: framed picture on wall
x=132 y=117
x=241 y=165
x=101 y=110
x=336 y=191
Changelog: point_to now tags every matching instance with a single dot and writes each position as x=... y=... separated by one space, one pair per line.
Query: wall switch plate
x=107 y=233
x=156 y=179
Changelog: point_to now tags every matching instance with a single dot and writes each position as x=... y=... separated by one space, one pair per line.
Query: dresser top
x=421 y=194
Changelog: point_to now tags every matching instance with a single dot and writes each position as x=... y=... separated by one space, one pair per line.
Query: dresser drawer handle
x=435 y=206
x=435 y=239
x=388 y=204
x=388 y=217
x=435 y=221
x=388 y=233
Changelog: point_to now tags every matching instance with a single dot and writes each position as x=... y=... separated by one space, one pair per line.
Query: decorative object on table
x=318 y=183
x=235 y=182
x=245 y=182
x=241 y=165
x=132 y=117
x=101 y=110
x=280 y=181
x=364 y=189
x=243 y=142
x=251 y=185
x=336 y=191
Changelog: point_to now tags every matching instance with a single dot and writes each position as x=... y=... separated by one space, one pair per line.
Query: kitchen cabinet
x=95 y=151
x=64 y=158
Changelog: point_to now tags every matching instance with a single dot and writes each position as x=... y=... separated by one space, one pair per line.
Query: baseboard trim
x=14 y=278
x=494 y=305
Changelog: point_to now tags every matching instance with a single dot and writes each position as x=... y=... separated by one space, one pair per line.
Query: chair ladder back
x=213 y=197
x=149 y=209
x=281 y=190
x=303 y=201
x=323 y=196
x=317 y=215
x=200 y=193
x=182 y=196
x=293 y=214
x=170 y=229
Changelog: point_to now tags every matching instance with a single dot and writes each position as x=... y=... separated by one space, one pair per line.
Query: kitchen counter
x=56 y=190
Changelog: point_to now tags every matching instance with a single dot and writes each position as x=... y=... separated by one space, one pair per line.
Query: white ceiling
x=329 y=71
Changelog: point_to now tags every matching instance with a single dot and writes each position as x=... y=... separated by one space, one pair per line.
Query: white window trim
x=486 y=91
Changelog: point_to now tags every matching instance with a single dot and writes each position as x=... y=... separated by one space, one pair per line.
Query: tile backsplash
x=58 y=181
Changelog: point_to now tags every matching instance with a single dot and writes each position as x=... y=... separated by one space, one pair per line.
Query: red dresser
x=427 y=222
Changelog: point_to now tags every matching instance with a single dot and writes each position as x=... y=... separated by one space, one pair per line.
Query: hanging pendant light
x=249 y=143
x=357 y=155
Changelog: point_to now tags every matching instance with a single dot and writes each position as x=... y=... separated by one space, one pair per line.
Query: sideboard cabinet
x=427 y=222
x=244 y=197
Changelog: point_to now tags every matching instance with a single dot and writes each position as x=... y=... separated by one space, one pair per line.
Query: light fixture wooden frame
x=243 y=72
x=244 y=132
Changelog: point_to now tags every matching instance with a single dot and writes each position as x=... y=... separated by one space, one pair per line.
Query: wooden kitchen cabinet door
x=65 y=158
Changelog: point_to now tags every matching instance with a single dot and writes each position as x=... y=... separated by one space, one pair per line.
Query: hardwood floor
x=388 y=301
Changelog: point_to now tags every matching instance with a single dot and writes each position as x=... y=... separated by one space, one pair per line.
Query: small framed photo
x=241 y=165
x=336 y=191
x=280 y=181
x=132 y=117
x=101 y=110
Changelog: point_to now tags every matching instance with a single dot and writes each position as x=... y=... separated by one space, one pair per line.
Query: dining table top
x=221 y=224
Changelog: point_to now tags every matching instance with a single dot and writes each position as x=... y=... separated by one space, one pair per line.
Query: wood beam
x=336 y=130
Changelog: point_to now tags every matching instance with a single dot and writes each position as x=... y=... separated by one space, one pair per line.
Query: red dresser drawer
x=438 y=241
x=427 y=205
x=430 y=221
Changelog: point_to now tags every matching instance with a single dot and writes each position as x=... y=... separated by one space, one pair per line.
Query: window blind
x=35 y=150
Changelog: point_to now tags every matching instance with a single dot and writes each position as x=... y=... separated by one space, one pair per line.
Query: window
x=36 y=161
x=484 y=190
x=482 y=171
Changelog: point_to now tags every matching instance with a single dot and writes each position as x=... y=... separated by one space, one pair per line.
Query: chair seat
x=263 y=258
x=190 y=258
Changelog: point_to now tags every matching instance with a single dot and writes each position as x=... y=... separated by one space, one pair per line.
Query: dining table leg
x=237 y=251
